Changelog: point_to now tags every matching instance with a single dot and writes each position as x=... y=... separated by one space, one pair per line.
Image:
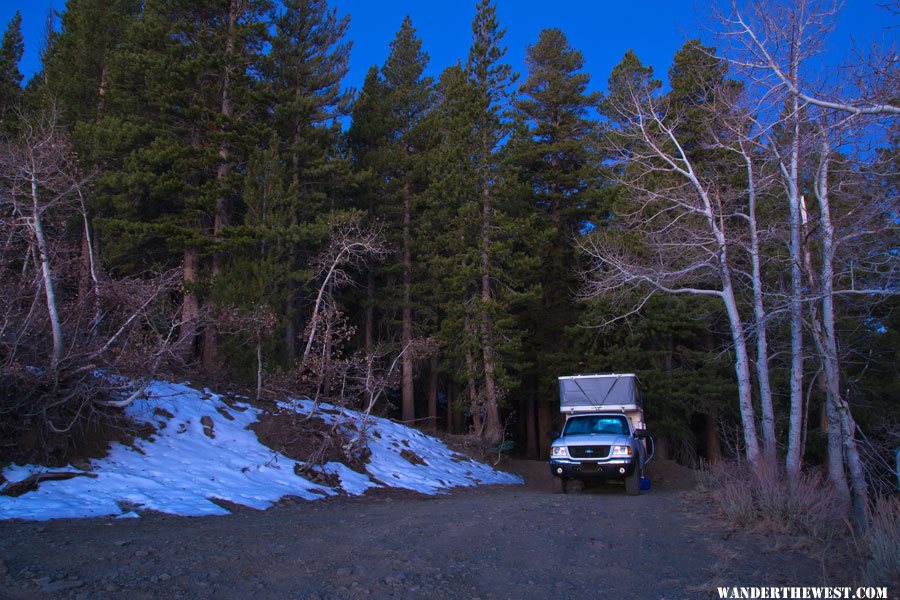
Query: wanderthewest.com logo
x=789 y=593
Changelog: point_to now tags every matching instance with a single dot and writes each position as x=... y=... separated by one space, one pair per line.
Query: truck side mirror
x=641 y=433
x=552 y=435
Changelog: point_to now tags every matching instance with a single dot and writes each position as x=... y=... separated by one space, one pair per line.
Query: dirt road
x=501 y=542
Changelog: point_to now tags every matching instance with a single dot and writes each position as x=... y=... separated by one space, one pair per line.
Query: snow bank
x=202 y=450
x=442 y=468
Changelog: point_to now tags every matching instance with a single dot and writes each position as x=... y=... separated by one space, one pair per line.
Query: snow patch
x=178 y=469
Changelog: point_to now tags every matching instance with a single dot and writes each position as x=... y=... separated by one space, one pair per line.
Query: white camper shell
x=602 y=393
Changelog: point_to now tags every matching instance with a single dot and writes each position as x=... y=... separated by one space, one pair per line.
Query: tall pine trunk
x=407 y=396
x=493 y=431
x=369 y=324
x=531 y=442
x=291 y=330
x=475 y=405
x=190 y=307
x=433 y=392
x=545 y=416
x=220 y=220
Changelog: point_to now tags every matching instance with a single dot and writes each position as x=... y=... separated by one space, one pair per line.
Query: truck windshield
x=596 y=424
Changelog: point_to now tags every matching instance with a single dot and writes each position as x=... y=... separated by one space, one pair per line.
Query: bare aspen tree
x=351 y=246
x=797 y=28
x=37 y=169
x=91 y=259
x=54 y=360
x=843 y=243
x=772 y=45
x=372 y=377
x=682 y=218
x=735 y=130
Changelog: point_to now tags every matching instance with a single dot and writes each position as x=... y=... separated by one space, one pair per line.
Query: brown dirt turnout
x=492 y=542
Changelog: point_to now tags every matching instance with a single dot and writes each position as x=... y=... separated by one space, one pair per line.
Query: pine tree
x=367 y=140
x=388 y=140
x=76 y=80
x=77 y=66
x=408 y=99
x=492 y=80
x=475 y=226
x=449 y=232
x=183 y=104
x=556 y=155
x=304 y=70
x=11 y=50
x=696 y=79
x=255 y=277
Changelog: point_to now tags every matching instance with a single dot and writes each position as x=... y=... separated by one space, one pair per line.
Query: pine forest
x=190 y=191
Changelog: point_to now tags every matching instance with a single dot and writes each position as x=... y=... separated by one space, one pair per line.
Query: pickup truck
x=604 y=435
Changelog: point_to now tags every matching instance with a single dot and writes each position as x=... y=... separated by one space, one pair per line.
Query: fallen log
x=32 y=482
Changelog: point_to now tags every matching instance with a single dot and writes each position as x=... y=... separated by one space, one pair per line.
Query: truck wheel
x=562 y=485
x=633 y=483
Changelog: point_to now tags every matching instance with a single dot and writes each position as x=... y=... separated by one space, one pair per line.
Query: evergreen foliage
x=219 y=140
x=556 y=156
x=11 y=48
x=77 y=66
x=303 y=72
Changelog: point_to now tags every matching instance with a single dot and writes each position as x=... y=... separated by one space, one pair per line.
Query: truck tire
x=562 y=485
x=633 y=483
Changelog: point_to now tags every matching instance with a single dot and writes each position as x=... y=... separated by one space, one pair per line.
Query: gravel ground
x=493 y=542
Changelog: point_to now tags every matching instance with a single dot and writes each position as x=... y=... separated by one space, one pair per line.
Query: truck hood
x=593 y=439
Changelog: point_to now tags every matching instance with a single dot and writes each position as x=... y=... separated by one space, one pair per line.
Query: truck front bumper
x=591 y=470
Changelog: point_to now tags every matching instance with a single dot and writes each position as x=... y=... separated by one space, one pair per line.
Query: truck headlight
x=559 y=451
x=621 y=451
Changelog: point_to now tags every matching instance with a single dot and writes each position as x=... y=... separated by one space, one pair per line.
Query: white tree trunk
x=760 y=318
x=47 y=273
x=792 y=176
x=828 y=347
x=738 y=335
x=88 y=248
x=742 y=370
x=259 y=367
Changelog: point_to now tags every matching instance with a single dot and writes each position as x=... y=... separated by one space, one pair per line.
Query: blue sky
x=602 y=29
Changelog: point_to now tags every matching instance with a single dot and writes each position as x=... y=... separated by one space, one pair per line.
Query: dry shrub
x=308 y=439
x=883 y=541
x=469 y=445
x=56 y=421
x=766 y=500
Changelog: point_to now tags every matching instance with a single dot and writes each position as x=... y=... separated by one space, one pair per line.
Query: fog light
x=621 y=470
x=559 y=470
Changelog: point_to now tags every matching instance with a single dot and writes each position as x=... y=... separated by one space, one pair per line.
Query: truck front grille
x=588 y=451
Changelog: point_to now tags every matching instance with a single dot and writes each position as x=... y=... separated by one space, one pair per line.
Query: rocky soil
x=493 y=542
